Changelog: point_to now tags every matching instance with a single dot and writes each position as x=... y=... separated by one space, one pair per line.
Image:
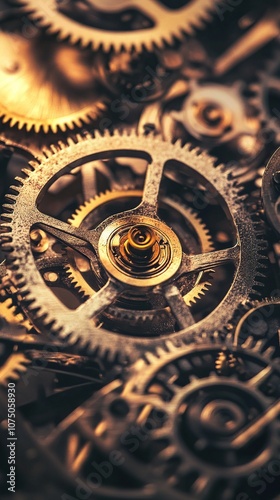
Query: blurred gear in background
x=140 y=248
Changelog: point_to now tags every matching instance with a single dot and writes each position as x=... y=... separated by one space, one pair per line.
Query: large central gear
x=140 y=24
x=116 y=247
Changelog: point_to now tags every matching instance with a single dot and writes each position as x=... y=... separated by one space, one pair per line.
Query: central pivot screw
x=140 y=240
x=140 y=245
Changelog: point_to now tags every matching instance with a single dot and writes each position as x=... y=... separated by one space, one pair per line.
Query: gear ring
x=166 y=23
x=16 y=241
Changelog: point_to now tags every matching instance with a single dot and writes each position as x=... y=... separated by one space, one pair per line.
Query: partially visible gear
x=119 y=245
x=271 y=190
x=265 y=96
x=14 y=366
x=208 y=113
x=49 y=100
x=128 y=24
x=215 y=112
x=260 y=322
x=9 y=311
x=190 y=427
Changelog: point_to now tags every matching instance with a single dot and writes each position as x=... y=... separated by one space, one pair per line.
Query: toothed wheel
x=132 y=252
x=128 y=24
x=260 y=322
x=265 y=97
x=202 y=420
x=271 y=190
x=45 y=98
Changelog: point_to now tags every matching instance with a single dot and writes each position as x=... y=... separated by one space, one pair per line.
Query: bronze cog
x=50 y=98
x=96 y=23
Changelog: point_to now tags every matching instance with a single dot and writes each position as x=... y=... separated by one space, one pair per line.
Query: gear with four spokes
x=128 y=24
x=134 y=251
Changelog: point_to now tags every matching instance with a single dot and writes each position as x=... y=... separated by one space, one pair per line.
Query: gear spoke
x=252 y=430
x=205 y=261
x=178 y=307
x=74 y=237
x=151 y=188
x=101 y=300
x=260 y=377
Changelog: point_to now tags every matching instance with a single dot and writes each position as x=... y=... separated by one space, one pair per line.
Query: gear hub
x=140 y=251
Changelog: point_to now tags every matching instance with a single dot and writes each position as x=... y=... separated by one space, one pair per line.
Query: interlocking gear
x=169 y=168
x=128 y=24
x=190 y=427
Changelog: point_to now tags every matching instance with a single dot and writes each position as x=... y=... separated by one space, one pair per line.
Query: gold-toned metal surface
x=42 y=97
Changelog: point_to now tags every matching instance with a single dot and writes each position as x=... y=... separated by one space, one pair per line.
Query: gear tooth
x=268 y=353
x=170 y=346
x=151 y=358
x=258 y=346
x=248 y=344
x=33 y=164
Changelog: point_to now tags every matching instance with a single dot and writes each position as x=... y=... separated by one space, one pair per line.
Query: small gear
x=189 y=427
x=128 y=24
x=89 y=211
x=211 y=114
x=265 y=96
x=260 y=322
x=22 y=74
x=135 y=249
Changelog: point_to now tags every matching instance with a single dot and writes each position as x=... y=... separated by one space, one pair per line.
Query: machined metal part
x=245 y=253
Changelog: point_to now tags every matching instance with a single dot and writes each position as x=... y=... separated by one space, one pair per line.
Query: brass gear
x=165 y=25
x=49 y=101
x=21 y=214
x=11 y=313
x=11 y=370
x=77 y=262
